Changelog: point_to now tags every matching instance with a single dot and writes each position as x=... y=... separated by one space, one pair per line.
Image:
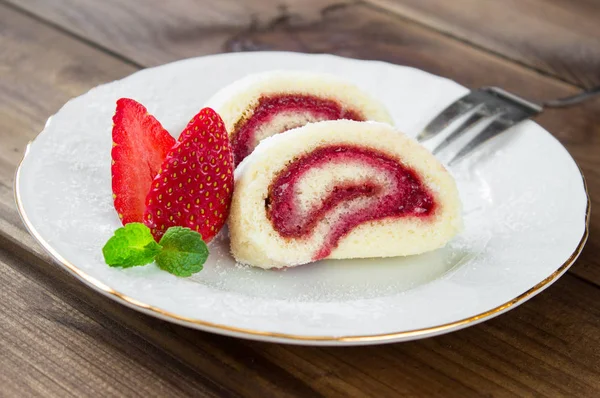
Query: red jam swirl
x=404 y=195
x=269 y=107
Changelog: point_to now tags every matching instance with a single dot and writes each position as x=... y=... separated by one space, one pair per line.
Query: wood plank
x=152 y=32
x=31 y=90
x=558 y=37
x=51 y=349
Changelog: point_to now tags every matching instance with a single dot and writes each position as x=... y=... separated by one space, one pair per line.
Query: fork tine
x=454 y=110
x=460 y=130
x=496 y=127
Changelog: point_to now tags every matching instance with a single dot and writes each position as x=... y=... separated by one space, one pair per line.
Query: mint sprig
x=130 y=246
x=181 y=251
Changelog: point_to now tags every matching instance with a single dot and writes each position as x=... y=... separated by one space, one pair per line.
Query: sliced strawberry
x=140 y=144
x=195 y=184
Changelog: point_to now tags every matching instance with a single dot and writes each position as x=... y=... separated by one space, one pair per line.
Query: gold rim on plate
x=250 y=333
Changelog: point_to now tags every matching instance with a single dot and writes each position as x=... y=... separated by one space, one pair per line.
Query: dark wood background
x=58 y=338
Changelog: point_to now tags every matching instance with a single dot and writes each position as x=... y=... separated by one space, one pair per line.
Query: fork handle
x=572 y=100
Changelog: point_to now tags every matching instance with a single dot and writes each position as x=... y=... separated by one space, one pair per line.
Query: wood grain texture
x=42 y=69
x=559 y=37
x=550 y=346
x=152 y=32
x=50 y=349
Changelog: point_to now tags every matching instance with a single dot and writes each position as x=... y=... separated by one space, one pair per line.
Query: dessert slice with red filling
x=261 y=105
x=340 y=189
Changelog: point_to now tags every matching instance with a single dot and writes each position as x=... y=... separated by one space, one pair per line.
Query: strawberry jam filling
x=281 y=113
x=344 y=205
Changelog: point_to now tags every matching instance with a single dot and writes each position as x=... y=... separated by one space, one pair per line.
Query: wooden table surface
x=59 y=338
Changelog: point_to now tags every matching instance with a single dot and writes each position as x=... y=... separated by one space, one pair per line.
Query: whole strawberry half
x=195 y=184
x=140 y=145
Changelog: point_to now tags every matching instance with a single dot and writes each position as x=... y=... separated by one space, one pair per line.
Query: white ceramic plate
x=525 y=209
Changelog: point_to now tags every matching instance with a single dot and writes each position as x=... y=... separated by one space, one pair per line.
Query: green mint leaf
x=130 y=246
x=183 y=252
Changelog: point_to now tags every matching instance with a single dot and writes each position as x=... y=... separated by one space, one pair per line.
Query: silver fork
x=499 y=107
